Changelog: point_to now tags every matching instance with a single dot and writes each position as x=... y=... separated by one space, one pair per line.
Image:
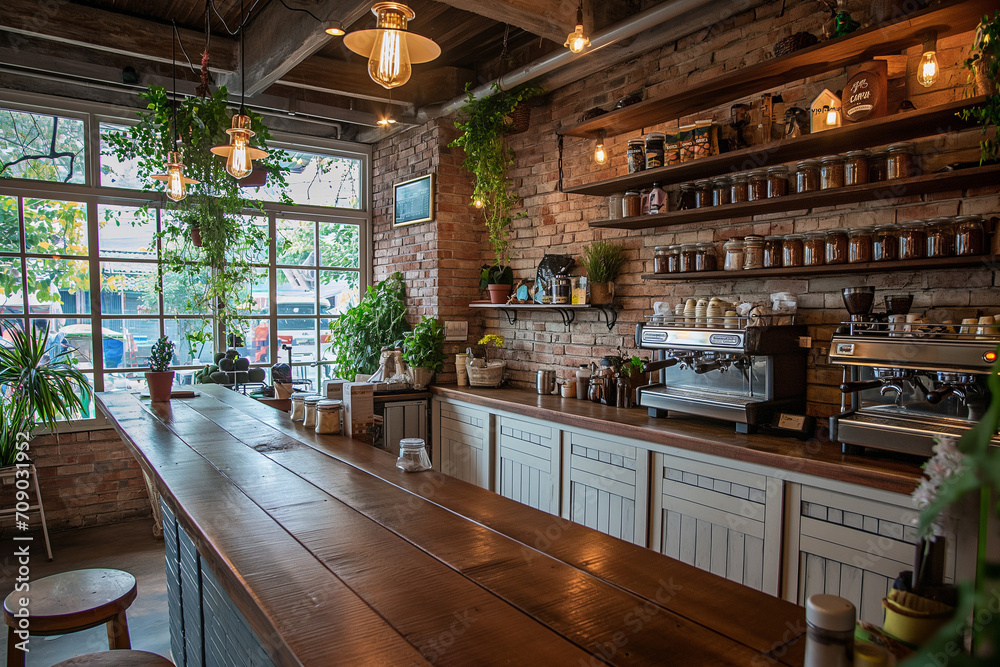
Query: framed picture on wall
x=413 y=201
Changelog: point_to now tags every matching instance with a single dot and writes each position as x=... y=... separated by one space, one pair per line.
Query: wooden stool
x=70 y=602
x=117 y=659
x=10 y=474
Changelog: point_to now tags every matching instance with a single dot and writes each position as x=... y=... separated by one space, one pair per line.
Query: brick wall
x=558 y=223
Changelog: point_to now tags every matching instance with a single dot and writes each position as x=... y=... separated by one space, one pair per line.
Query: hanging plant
x=983 y=64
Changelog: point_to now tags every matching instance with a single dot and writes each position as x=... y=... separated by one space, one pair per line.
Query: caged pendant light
x=176 y=181
x=390 y=47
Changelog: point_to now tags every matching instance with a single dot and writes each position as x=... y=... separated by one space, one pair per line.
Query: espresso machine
x=746 y=370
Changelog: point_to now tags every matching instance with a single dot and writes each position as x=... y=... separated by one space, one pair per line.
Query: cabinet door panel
x=461 y=443
x=527 y=460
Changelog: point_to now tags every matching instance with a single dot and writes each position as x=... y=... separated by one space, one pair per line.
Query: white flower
x=946 y=462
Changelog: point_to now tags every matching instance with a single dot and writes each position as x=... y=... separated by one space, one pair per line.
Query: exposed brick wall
x=88 y=478
x=558 y=223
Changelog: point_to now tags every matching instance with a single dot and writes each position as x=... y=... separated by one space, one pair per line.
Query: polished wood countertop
x=880 y=470
x=334 y=555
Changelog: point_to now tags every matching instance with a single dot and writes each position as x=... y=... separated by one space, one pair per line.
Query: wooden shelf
x=904 y=187
x=944 y=18
x=984 y=261
x=567 y=312
x=898 y=127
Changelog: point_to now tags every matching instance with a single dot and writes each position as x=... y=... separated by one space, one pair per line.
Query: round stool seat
x=75 y=600
x=117 y=659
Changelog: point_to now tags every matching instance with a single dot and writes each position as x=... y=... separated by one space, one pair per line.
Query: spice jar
x=298 y=410
x=757 y=181
x=813 y=249
x=791 y=250
x=412 y=455
x=705 y=259
x=740 y=189
x=660 y=264
x=753 y=252
x=901 y=161
x=912 y=239
x=687 y=257
x=885 y=243
x=859 y=246
x=807 y=176
x=721 y=191
x=702 y=193
x=328 y=416
x=309 y=414
x=878 y=165
x=831 y=172
x=777 y=181
x=856 y=167
x=830 y=624
x=674 y=259
x=686 y=197
x=940 y=237
x=635 y=155
x=772 y=252
x=632 y=204
x=733 y=250
x=970 y=235
x=836 y=246
x=654 y=149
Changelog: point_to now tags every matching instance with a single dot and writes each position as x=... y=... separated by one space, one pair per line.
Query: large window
x=79 y=254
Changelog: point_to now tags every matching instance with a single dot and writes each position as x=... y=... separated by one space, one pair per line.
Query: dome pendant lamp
x=389 y=47
x=176 y=181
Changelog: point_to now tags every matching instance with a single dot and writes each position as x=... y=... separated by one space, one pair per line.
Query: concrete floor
x=126 y=546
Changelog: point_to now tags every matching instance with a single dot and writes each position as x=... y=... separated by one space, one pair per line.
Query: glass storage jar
x=970 y=235
x=753 y=252
x=740 y=190
x=721 y=191
x=878 y=165
x=901 y=160
x=757 y=181
x=686 y=198
x=702 y=193
x=813 y=249
x=615 y=206
x=328 y=415
x=777 y=181
x=309 y=414
x=807 y=176
x=856 y=167
x=674 y=259
x=772 y=252
x=298 y=409
x=660 y=259
x=791 y=250
x=831 y=172
x=412 y=455
x=635 y=155
x=859 y=246
x=632 y=204
x=885 y=243
x=687 y=257
x=940 y=237
x=705 y=259
x=836 y=246
x=654 y=149
x=912 y=239
x=733 y=251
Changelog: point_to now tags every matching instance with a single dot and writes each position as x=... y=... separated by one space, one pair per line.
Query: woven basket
x=799 y=40
x=491 y=376
x=520 y=119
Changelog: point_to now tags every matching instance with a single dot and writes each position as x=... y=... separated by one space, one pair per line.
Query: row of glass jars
x=940 y=237
x=833 y=171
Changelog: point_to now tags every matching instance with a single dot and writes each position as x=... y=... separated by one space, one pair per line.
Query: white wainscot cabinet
x=462 y=442
x=528 y=462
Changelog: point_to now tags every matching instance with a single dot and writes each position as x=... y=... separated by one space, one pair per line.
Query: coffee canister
x=328 y=416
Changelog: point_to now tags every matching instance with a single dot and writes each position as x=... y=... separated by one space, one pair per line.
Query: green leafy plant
x=359 y=334
x=161 y=354
x=488 y=158
x=495 y=275
x=603 y=261
x=424 y=346
x=983 y=64
x=40 y=384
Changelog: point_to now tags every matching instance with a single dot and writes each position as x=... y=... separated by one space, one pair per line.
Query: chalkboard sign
x=413 y=201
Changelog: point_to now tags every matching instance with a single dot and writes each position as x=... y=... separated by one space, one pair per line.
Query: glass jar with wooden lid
x=687 y=257
x=757 y=181
x=901 y=161
x=632 y=204
x=831 y=172
x=878 y=165
x=940 y=237
x=970 y=235
x=704 y=258
x=740 y=190
x=856 y=167
x=721 y=191
x=772 y=252
x=813 y=249
x=807 y=176
x=703 y=193
x=885 y=243
x=860 y=245
x=836 y=246
x=912 y=239
x=777 y=181
x=660 y=264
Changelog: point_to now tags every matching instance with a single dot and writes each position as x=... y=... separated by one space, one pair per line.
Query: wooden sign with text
x=865 y=93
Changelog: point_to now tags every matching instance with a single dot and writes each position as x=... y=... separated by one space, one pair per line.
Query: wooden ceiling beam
x=551 y=20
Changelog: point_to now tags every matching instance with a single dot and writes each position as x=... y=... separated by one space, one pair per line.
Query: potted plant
x=482 y=371
x=159 y=378
x=484 y=125
x=603 y=262
x=40 y=385
x=359 y=334
x=983 y=64
x=498 y=280
x=423 y=352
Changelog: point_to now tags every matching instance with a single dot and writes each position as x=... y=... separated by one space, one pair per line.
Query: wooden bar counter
x=333 y=556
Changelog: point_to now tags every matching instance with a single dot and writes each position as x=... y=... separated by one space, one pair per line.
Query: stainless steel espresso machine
x=737 y=372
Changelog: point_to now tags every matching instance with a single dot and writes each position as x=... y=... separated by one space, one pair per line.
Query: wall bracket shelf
x=607 y=314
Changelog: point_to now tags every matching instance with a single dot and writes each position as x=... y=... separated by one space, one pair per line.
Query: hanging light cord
x=300 y=9
x=173 y=75
x=243 y=68
x=177 y=36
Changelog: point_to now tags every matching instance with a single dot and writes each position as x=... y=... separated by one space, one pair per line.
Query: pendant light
x=927 y=68
x=577 y=41
x=176 y=181
x=238 y=152
x=389 y=47
x=600 y=153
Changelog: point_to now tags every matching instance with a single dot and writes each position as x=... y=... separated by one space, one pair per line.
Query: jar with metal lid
x=705 y=259
x=686 y=197
x=772 y=252
x=635 y=155
x=912 y=239
x=813 y=249
x=791 y=250
x=298 y=410
x=807 y=176
x=970 y=235
x=901 y=161
x=309 y=415
x=757 y=181
x=733 y=251
x=721 y=191
x=940 y=237
x=859 y=246
x=878 y=165
x=660 y=264
x=830 y=622
x=836 y=246
x=654 y=149
x=632 y=204
x=777 y=181
x=412 y=455
x=753 y=252
x=831 y=172
x=856 y=167
x=740 y=190
x=885 y=243
x=702 y=193
x=328 y=415
x=561 y=290
x=615 y=206
x=674 y=259
x=687 y=257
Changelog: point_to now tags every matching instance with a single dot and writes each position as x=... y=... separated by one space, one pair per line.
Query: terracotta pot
x=602 y=294
x=160 y=383
x=499 y=293
x=196 y=236
x=419 y=377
